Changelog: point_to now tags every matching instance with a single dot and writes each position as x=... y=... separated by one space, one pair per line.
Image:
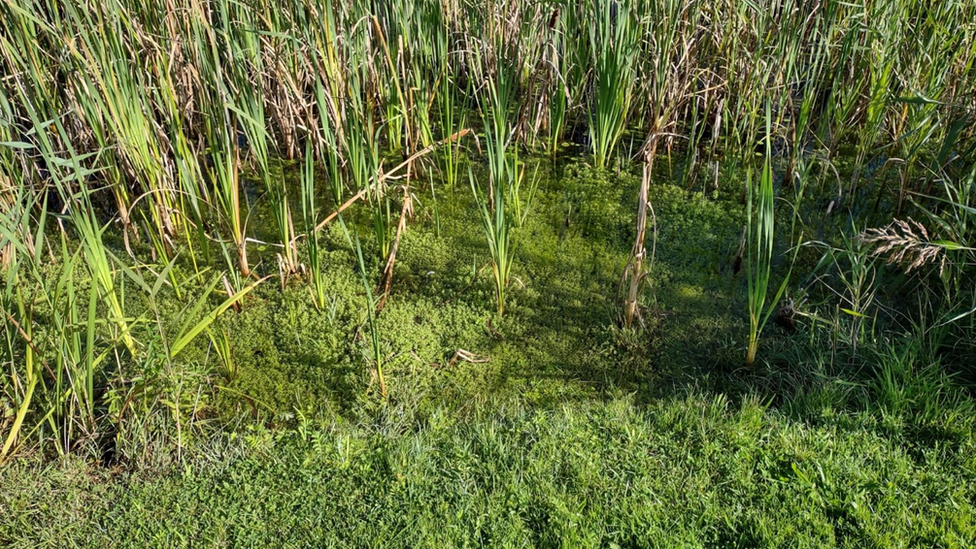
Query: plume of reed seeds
x=906 y=243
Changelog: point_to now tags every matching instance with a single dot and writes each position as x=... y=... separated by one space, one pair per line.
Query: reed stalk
x=760 y=240
x=309 y=219
x=372 y=320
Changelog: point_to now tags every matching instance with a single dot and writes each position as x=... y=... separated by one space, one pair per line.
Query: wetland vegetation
x=487 y=273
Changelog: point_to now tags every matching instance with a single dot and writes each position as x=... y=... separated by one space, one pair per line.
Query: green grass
x=696 y=471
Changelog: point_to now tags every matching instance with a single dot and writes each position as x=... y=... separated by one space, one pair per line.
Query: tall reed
x=372 y=321
x=614 y=39
x=498 y=205
x=760 y=241
x=309 y=220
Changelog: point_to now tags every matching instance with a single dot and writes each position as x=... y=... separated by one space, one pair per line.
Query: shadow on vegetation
x=560 y=340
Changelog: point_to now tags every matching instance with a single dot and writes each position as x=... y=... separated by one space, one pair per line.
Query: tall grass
x=348 y=74
x=614 y=38
x=62 y=376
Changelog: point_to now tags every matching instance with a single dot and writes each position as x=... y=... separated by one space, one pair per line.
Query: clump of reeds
x=614 y=39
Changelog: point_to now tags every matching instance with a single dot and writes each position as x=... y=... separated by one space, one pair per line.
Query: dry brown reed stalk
x=635 y=271
x=907 y=244
x=383 y=177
